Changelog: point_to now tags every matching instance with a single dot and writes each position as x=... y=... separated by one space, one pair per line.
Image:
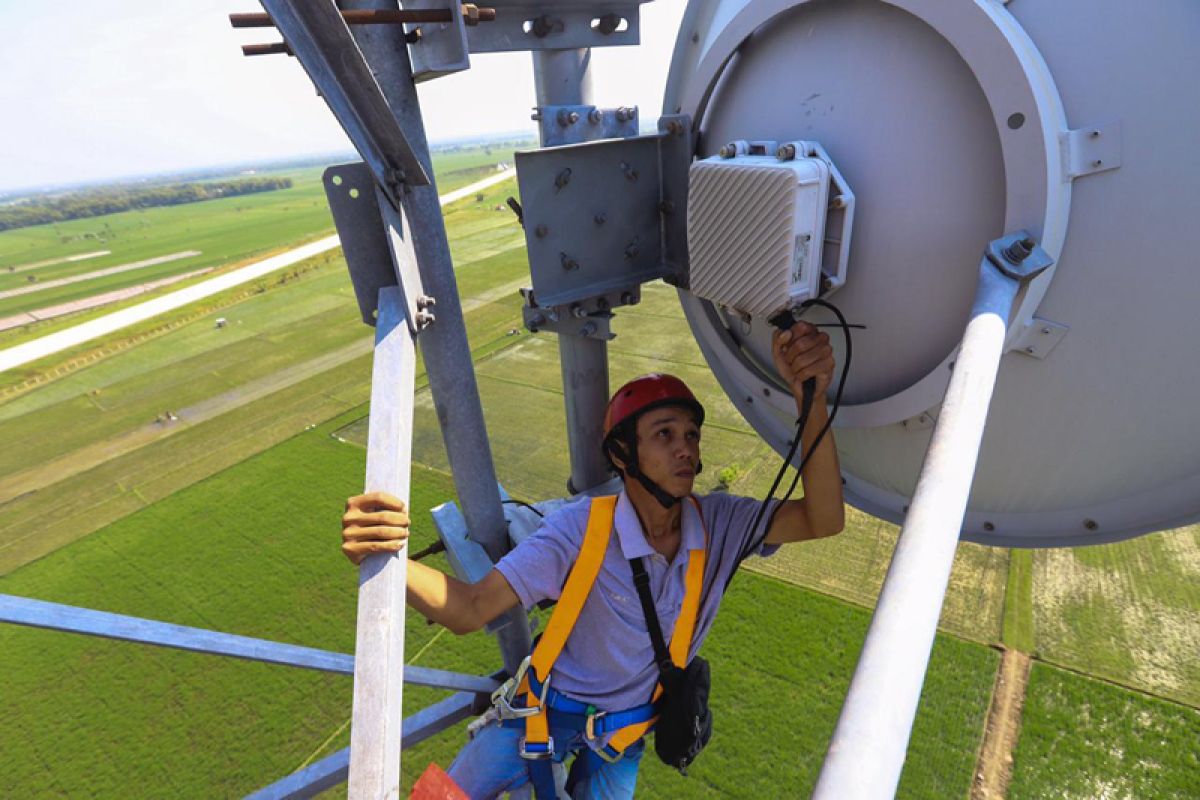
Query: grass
x=1083 y=739
x=121 y=396
x=226 y=231
x=252 y=550
x=1018 y=602
x=1128 y=612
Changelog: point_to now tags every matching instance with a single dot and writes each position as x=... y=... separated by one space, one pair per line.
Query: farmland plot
x=1082 y=739
x=1128 y=611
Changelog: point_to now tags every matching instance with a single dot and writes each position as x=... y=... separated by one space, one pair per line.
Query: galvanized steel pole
x=563 y=78
x=379 y=635
x=444 y=345
x=869 y=744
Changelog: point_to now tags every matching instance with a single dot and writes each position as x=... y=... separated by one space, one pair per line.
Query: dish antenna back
x=956 y=123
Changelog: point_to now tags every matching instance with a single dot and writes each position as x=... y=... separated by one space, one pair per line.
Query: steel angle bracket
x=320 y=39
x=377 y=247
x=467 y=557
x=601 y=218
x=557 y=25
x=559 y=125
x=445 y=47
x=441 y=48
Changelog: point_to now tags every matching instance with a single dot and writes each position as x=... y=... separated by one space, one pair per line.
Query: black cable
x=523 y=504
x=436 y=547
x=801 y=423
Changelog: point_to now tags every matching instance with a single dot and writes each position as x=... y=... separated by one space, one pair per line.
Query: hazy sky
x=104 y=88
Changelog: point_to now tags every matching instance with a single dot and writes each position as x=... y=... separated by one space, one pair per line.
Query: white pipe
x=379 y=642
x=869 y=744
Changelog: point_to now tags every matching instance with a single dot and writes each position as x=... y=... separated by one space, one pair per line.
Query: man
x=607 y=664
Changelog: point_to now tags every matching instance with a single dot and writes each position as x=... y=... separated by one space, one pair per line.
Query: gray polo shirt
x=608 y=660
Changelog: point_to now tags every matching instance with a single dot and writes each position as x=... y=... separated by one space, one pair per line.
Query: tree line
x=98 y=202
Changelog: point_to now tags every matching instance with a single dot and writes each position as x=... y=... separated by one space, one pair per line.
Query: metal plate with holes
x=558 y=25
x=324 y=47
x=992 y=119
x=350 y=190
x=593 y=215
x=559 y=125
x=442 y=48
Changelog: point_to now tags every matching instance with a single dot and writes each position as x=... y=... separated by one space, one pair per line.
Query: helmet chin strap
x=664 y=499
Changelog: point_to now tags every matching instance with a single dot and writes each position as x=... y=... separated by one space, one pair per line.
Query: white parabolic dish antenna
x=955 y=123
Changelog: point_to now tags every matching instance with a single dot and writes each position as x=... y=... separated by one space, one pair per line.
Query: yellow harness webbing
x=570 y=604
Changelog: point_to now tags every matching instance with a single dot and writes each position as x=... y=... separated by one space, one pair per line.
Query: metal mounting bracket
x=601 y=218
x=1039 y=337
x=442 y=46
x=467 y=557
x=1096 y=148
x=320 y=40
x=378 y=254
x=445 y=47
x=589 y=318
x=560 y=125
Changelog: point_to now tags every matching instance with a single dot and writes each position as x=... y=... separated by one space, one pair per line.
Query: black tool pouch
x=684 y=721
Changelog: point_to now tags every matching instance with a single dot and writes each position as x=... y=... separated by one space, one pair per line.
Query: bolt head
x=599 y=219
x=728 y=151
x=540 y=231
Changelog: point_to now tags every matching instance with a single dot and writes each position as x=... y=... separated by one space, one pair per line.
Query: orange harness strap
x=570 y=604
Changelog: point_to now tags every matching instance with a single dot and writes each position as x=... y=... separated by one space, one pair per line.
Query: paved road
x=61 y=340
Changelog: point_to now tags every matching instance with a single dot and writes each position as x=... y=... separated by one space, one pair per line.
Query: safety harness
x=527 y=700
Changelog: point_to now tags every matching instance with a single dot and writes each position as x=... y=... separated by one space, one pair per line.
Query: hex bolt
x=536 y=115
x=675 y=127
x=608 y=24
x=413 y=36
x=630 y=172
x=424 y=319
x=1045 y=331
x=1030 y=350
x=595 y=116
x=567 y=262
x=1094 y=134
x=578 y=311
x=425 y=302
x=728 y=150
x=627 y=299
x=625 y=114
x=839 y=201
x=588 y=329
x=566 y=117
x=631 y=252
x=1097 y=163
x=666 y=207
x=537 y=321
x=1091 y=524
x=602 y=304
x=989 y=526
x=540 y=231
x=1019 y=250
x=562 y=179
x=600 y=219
x=786 y=152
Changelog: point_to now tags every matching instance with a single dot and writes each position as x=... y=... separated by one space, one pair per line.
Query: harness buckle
x=605 y=752
x=590 y=729
x=505 y=698
x=536 y=755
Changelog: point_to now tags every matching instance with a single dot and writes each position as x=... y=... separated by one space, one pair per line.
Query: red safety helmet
x=647 y=392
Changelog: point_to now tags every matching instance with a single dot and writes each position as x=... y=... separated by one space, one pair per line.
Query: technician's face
x=669 y=448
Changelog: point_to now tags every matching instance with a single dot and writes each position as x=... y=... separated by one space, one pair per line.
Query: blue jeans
x=490 y=765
